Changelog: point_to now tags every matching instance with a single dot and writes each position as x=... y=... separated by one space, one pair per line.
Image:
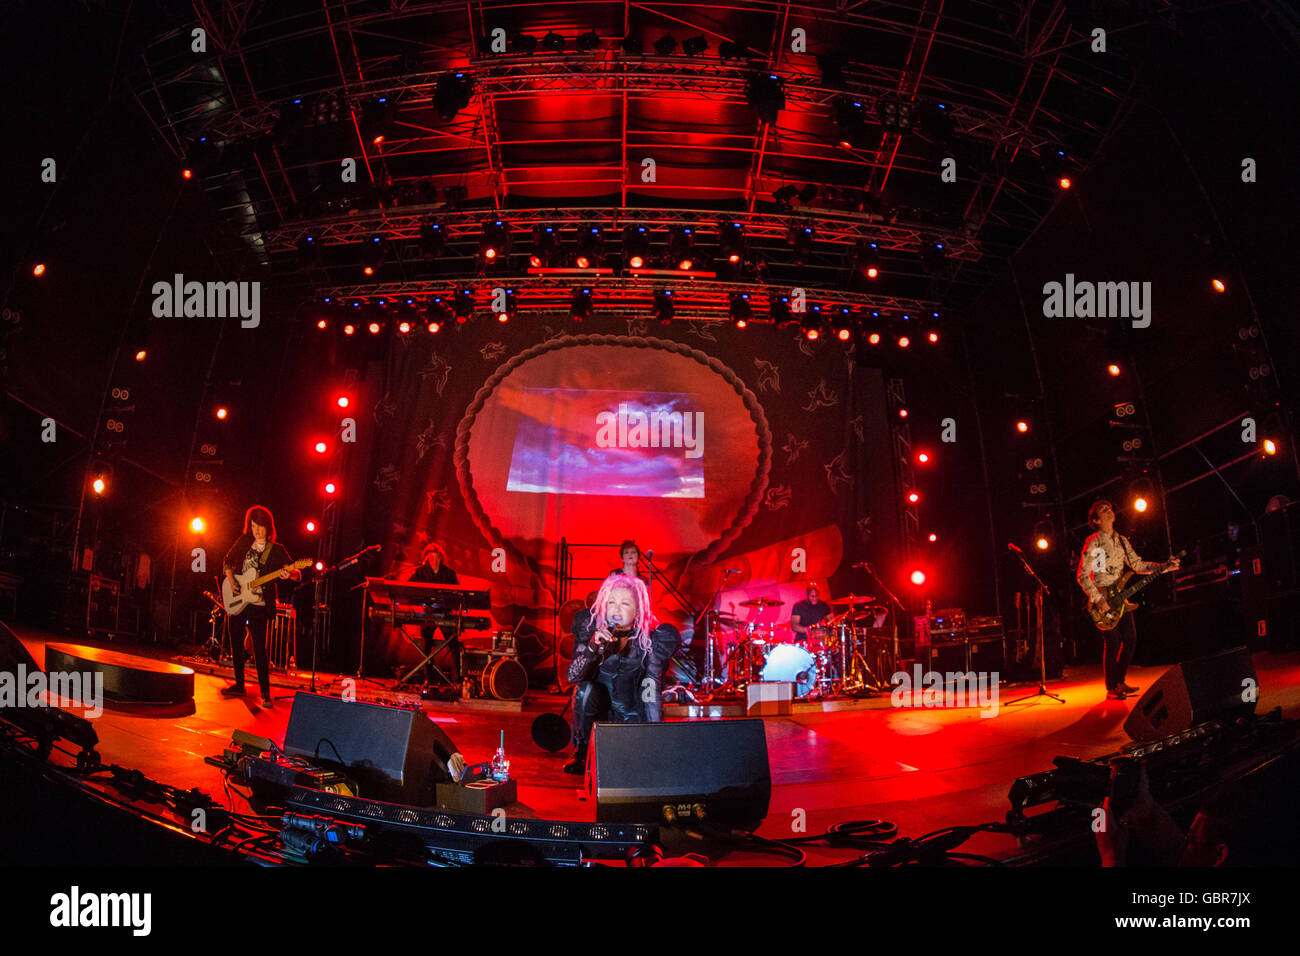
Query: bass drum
x=790 y=662
x=504 y=679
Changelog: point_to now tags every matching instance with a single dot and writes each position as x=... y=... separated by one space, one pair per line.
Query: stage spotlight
x=902 y=413
x=895 y=115
x=844 y=334
x=681 y=240
x=434 y=327
x=99 y=486
x=588 y=41
x=923 y=458
x=310 y=526
x=1022 y=426
x=321 y=447
x=404 y=327
x=801 y=241
x=1270 y=446
x=873 y=338
x=663 y=306
x=739 y=309
x=851 y=122
x=1219 y=286
x=1113 y=369
x=546 y=247
x=1139 y=504
x=187 y=173
x=38 y=270
x=342 y=401
x=731 y=240
x=636 y=246
x=463 y=306
x=433 y=241
x=918 y=577
x=553 y=42
x=222 y=413
x=694 y=46
x=330 y=487
x=765 y=93
x=591 y=248
x=904 y=342
x=666 y=44
x=374 y=328
x=319 y=565
x=811 y=325
x=452 y=94
x=494 y=244
x=933 y=537
x=580 y=305
x=633 y=46
x=1043 y=535
x=731 y=50
x=349 y=329
x=524 y=44
x=198 y=525
x=933 y=338
x=1042 y=544
x=832 y=68
x=778 y=309
x=913 y=497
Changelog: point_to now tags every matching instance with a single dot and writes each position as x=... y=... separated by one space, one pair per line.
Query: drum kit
x=844 y=654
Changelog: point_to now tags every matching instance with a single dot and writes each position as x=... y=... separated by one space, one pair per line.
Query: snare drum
x=790 y=662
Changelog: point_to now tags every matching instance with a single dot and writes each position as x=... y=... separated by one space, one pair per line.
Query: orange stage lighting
x=1022 y=426
x=1219 y=285
x=198 y=525
x=1270 y=446
x=1139 y=504
x=139 y=356
x=38 y=270
x=223 y=413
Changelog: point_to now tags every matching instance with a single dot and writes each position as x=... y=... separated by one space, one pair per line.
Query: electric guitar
x=235 y=603
x=1117 y=595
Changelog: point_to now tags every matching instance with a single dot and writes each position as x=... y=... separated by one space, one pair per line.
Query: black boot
x=578 y=765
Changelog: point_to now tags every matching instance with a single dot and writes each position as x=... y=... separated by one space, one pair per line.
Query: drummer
x=808 y=613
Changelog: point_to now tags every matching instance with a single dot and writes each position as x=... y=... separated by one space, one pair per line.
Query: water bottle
x=500 y=762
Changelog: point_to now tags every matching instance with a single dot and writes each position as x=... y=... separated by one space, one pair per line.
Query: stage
x=921 y=769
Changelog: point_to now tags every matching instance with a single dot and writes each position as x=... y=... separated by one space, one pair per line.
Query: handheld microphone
x=650 y=554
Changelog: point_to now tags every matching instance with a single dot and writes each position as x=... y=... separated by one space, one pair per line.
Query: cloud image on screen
x=585 y=442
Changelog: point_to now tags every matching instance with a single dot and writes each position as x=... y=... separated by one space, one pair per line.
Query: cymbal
x=761 y=602
x=852 y=600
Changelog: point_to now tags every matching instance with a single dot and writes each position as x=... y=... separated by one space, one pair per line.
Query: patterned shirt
x=1103 y=560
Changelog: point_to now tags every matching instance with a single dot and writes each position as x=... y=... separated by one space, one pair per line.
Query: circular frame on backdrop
x=757 y=486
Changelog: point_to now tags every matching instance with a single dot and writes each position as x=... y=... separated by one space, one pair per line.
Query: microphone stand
x=708 y=632
x=1041 y=637
x=894 y=602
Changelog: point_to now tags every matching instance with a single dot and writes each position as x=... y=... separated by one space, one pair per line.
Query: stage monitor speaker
x=721 y=765
x=1205 y=688
x=392 y=753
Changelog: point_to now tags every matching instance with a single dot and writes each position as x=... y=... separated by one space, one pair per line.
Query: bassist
x=255 y=550
x=1105 y=555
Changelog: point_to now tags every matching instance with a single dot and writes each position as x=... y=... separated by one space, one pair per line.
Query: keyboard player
x=434 y=570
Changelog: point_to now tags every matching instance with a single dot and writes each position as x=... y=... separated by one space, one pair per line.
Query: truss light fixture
x=494 y=244
x=681 y=240
x=553 y=42
x=433 y=240
x=588 y=41
x=452 y=94
x=580 y=305
x=546 y=247
x=851 y=122
x=694 y=46
x=739 y=309
x=731 y=239
x=666 y=45
x=633 y=46
x=663 y=306
x=765 y=93
x=895 y=114
x=591 y=245
x=525 y=44
x=731 y=50
x=636 y=246
x=801 y=239
x=463 y=306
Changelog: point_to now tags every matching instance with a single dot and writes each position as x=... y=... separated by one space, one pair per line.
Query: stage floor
x=922 y=769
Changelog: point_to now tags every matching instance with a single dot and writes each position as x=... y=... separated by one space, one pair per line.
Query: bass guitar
x=1117 y=595
x=235 y=603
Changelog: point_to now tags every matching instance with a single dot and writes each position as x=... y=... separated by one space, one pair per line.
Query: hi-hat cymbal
x=852 y=600
x=761 y=602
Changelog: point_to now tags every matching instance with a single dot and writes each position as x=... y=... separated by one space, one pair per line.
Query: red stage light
x=636 y=262
x=503 y=317
x=1113 y=369
x=913 y=497
x=1219 y=285
x=330 y=487
x=187 y=174
x=489 y=253
x=1022 y=426
x=311 y=526
x=933 y=337
x=349 y=329
x=1064 y=182
x=535 y=261
x=741 y=323
x=872 y=272
x=99 y=485
x=734 y=258
x=321 y=448
x=583 y=262
x=404 y=327
x=374 y=328
x=1139 y=504
x=904 y=341
x=923 y=458
x=38 y=270
x=844 y=335
x=812 y=335
x=685 y=265
x=320 y=566
x=1270 y=446
x=198 y=525
x=434 y=327
x=1042 y=544
x=342 y=401
x=933 y=537
x=902 y=413
x=321 y=323
x=369 y=270
x=874 y=338
x=918 y=577
x=139 y=356
x=378 y=139
x=223 y=413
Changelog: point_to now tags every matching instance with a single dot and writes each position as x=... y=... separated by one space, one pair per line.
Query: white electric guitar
x=235 y=603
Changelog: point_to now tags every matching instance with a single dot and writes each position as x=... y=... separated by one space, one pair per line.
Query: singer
x=619 y=655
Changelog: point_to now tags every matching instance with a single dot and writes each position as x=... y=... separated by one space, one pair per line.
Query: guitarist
x=1105 y=555
x=255 y=550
